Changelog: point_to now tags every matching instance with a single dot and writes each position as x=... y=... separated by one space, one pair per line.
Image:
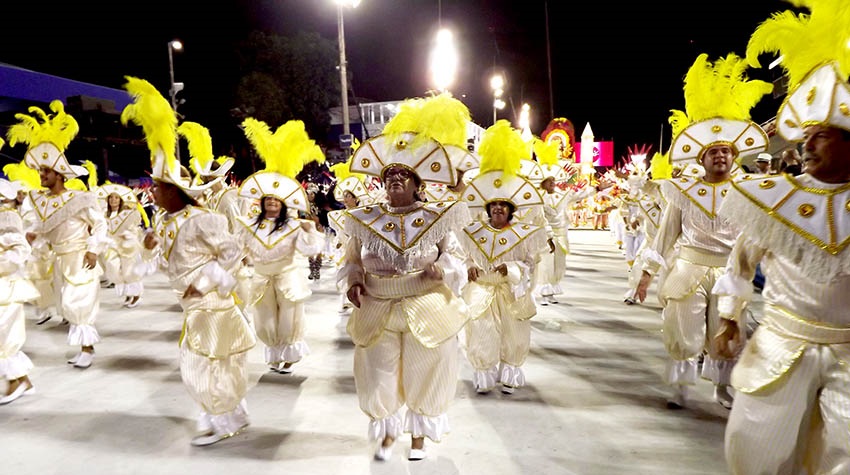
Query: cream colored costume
x=15 y=290
x=123 y=256
x=279 y=284
x=501 y=306
x=228 y=202
x=792 y=412
x=691 y=225
x=196 y=250
x=794 y=374
x=405 y=329
x=717 y=114
x=553 y=266
x=70 y=224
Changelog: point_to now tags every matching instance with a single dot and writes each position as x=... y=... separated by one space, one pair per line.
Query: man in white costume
x=68 y=222
x=403 y=272
x=792 y=410
x=193 y=247
x=715 y=131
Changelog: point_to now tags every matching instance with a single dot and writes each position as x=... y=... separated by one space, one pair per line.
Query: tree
x=284 y=78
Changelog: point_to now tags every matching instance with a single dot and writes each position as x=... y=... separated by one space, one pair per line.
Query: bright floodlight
x=497 y=82
x=348 y=3
x=176 y=45
x=444 y=60
x=499 y=104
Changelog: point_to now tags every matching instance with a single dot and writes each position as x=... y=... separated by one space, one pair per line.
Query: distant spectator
x=763 y=163
x=791 y=162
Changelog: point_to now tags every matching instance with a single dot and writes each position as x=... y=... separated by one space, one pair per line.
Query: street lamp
x=497 y=84
x=174 y=45
x=525 y=122
x=343 y=73
x=443 y=60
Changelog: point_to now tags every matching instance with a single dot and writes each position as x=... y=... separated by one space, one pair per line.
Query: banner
x=603 y=154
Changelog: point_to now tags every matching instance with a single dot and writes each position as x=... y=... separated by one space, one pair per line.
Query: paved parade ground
x=594 y=404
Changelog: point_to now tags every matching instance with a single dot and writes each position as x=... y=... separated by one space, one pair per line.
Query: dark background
x=618 y=65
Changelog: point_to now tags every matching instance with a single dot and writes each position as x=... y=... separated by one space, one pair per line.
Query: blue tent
x=18 y=85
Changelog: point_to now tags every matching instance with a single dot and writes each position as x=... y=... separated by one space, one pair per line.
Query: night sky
x=618 y=65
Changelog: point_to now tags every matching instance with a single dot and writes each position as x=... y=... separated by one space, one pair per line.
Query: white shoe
x=722 y=396
x=18 y=392
x=213 y=437
x=383 y=453
x=551 y=299
x=417 y=454
x=482 y=390
x=44 y=317
x=507 y=389
x=84 y=360
x=74 y=359
x=133 y=303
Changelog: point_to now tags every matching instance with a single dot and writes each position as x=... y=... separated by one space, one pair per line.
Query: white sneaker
x=44 y=317
x=507 y=389
x=84 y=360
x=74 y=359
x=417 y=454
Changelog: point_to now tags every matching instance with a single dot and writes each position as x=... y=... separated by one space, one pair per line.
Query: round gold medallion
x=790 y=124
x=482 y=239
x=844 y=109
x=683 y=180
x=806 y=210
x=723 y=193
x=766 y=185
x=525 y=227
x=389 y=226
x=750 y=141
x=44 y=155
x=686 y=148
x=716 y=129
x=503 y=241
x=295 y=201
x=365 y=163
x=435 y=167
x=527 y=195
x=418 y=222
x=262 y=225
x=170 y=234
x=55 y=204
x=847 y=205
x=276 y=184
x=253 y=191
x=497 y=183
x=810 y=97
x=161 y=233
x=702 y=192
x=401 y=144
x=441 y=204
x=470 y=198
x=367 y=209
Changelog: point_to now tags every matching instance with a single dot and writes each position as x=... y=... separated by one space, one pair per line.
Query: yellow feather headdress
x=547 y=153
x=285 y=151
x=501 y=150
x=21 y=173
x=660 y=166
x=718 y=101
x=342 y=170
x=90 y=167
x=58 y=129
x=199 y=143
x=441 y=117
x=47 y=137
x=815 y=49
x=154 y=114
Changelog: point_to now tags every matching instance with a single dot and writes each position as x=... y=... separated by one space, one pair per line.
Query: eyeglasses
x=401 y=174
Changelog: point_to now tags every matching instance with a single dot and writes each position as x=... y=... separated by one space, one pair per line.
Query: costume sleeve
x=309 y=243
x=735 y=287
x=452 y=262
x=668 y=232
x=216 y=274
x=16 y=250
x=352 y=272
x=98 y=239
